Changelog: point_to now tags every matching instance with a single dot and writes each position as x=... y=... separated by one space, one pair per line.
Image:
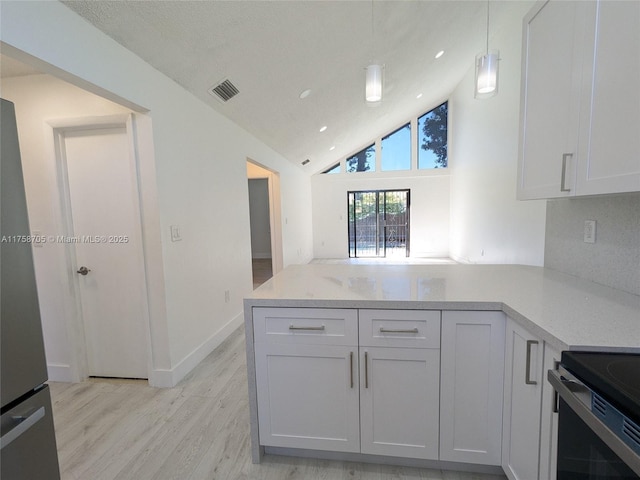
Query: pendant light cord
x=373 y=36
x=487 y=27
x=372 y=18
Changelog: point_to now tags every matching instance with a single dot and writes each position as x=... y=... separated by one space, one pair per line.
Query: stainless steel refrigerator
x=28 y=444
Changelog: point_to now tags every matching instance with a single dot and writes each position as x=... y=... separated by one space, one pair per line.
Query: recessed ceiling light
x=419 y=95
x=440 y=53
x=305 y=93
x=323 y=128
x=332 y=148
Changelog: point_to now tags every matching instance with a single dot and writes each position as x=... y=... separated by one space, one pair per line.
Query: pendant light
x=373 y=76
x=373 y=86
x=486 y=84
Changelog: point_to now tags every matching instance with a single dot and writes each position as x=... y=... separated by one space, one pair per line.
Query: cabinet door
x=522 y=399
x=549 y=418
x=551 y=67
x=611 y=102
x=399 y=395
x=308 y=396
x=472 y=378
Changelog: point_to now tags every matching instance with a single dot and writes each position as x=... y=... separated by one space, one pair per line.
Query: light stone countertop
x=565 y=311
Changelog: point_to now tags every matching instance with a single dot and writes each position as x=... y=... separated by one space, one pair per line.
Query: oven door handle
x=569 y=390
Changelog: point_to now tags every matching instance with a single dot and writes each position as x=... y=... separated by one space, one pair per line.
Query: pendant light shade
x=487 y=74
x=373 y=85
x=487 y=69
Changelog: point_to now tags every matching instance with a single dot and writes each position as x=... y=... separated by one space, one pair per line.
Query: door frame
x=74 y=321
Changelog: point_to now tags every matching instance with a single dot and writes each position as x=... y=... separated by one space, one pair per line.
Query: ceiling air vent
x=224 y=91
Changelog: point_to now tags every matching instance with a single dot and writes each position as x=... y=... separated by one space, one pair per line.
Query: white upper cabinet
x=549 y=106
x=580 y=106
x=610 y=141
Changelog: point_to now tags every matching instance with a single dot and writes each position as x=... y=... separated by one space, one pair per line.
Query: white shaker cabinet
x=307 y=378
x=549 y=418
x=549 y=109
x=580 y=104
x=399 y=398
x=472 y=377
x=522 y=401
x=399 y=382
x=358 y=381
x=610 y=140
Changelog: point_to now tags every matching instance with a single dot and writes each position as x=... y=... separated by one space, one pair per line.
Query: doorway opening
x=378 y=223
x=265 y=223
x=259 y=217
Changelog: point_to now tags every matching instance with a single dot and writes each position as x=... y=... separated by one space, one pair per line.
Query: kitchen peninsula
x=460 y=337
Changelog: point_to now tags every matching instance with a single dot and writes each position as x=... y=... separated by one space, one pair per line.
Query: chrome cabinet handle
x=527 y=378
x=293 y=327
x=563 y=187
x=366 y=370
x=389 y=330
x=351 y=367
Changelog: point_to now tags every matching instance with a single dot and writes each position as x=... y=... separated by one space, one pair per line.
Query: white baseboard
x=170 y=378
x=58 y=372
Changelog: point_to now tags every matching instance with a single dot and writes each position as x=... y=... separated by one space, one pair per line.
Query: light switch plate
x=589 y=231
x=175 y=233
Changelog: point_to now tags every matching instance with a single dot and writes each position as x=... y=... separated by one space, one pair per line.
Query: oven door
x=587 y=448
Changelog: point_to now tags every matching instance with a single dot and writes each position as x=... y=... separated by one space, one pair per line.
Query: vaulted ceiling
x=274 y=50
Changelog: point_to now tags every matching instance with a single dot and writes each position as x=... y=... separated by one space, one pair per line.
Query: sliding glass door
x=378 y=223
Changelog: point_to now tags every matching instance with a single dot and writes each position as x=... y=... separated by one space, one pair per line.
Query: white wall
x=200 y=175
x=429 y=221
x=38 y=99
x=488 y=224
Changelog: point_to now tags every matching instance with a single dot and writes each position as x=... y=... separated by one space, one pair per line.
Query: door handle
x=527 y=379
x=389 y=330
x=293 y=327
x=563 y=187
x=366 y=370
x=351 y=368
x=83 y=270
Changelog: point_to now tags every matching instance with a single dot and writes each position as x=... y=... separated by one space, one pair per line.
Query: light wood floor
x=120 y=429
x=261 y=268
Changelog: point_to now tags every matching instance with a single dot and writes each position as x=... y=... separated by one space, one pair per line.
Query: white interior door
x=107 y=241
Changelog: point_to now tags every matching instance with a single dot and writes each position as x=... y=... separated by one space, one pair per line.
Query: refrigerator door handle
x=25 y=424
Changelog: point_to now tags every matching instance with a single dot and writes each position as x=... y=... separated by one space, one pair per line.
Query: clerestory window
x=395 y=148
x=363 y=161
x=432 y=138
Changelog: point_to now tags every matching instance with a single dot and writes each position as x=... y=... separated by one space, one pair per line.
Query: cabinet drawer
x=400 y=328
x=310 y=326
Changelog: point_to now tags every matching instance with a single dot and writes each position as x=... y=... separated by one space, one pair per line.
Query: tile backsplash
x=614 y=258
